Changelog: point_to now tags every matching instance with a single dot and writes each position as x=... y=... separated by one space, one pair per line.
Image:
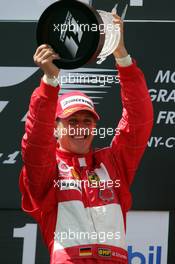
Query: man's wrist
x=53 y=81
x=120 y=52
x=124 y=61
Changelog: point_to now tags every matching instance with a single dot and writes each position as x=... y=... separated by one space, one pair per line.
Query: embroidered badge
x=93 y=177
x=85 y=251
x=104 y=252
x=75 y=174
x=106 y=195
x=63 y=167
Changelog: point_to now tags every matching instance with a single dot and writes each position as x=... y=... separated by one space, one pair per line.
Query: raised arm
x=135 y=126
x=39 y=143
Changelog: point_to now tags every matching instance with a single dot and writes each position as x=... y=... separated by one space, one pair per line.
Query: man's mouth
x=79 y=137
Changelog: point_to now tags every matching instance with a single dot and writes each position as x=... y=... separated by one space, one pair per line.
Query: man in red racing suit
x=82 y=220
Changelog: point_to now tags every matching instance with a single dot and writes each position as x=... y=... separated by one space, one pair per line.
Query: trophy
x=78 y=33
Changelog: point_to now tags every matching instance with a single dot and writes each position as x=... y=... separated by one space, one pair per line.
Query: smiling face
x=75 y=132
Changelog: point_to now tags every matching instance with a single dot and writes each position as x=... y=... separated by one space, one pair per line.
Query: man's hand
x=44 y=57
x=120 y=51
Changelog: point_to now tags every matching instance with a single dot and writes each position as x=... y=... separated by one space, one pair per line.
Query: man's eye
x=88 y=121
x=73 y=122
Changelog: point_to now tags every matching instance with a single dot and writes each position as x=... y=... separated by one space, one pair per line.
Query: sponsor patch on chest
x=93 y=177
x=104 y=252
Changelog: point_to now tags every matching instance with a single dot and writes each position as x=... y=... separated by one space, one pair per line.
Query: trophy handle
x=100 y=60
x=112 y=41
x=112 y=36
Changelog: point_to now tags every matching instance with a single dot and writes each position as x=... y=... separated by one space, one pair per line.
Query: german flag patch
x=85 y=251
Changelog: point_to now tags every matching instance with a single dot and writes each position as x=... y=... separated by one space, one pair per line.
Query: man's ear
x=55 y=133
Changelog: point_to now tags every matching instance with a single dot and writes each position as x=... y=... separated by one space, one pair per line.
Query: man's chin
x=80 y=149
x=77 y=146
x=80 y=152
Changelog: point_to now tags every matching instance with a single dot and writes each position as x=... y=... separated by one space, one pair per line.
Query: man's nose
x=81 y=129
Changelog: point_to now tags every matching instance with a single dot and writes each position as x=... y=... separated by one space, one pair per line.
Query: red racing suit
x=83 y=223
